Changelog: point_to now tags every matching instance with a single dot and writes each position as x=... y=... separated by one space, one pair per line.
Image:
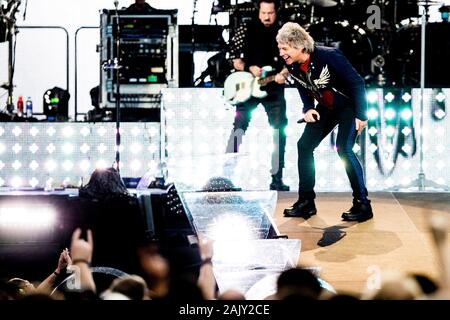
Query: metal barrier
x=76 y=65
x=67 y=46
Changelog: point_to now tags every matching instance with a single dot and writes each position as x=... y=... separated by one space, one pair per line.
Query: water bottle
x=29 y=107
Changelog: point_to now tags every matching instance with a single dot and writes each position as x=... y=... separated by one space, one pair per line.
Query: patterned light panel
x=56 y=154
x=198 y=123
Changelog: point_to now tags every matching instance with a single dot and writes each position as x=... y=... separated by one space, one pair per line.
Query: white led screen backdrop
x=198 y=124
x=67 y=153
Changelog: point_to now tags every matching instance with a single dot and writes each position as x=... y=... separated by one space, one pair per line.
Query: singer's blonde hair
x=294 y=35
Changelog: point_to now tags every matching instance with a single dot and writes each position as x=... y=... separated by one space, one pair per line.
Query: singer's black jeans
x=312 y=136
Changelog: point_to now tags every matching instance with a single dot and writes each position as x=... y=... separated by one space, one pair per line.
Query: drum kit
x=387 y=55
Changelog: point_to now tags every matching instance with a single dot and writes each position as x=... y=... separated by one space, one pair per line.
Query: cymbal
x=430 y=3
x=322 y=3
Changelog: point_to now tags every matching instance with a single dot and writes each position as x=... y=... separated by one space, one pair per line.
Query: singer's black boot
x=360 y=211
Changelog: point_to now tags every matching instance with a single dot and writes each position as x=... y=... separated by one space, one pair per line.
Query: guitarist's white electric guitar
x=241 y=86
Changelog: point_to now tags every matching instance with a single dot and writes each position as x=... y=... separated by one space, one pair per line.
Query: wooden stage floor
x=397 y=238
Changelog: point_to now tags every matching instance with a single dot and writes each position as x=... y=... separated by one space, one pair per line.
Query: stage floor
x=348 y=252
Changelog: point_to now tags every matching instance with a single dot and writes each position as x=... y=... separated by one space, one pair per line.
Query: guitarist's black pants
x=314 y=133
x=275 y=107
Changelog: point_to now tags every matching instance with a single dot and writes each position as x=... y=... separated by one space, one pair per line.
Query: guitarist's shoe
x=302 y=209
x=277 y=184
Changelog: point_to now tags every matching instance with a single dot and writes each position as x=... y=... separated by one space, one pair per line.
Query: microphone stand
x=116 y=67
x=12 y=31
x=194 y=11
x=421 y=182
x=25 y=10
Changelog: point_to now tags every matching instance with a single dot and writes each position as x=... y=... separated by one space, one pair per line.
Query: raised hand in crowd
x=81 y=258
x=63 y=262
x=206 y=281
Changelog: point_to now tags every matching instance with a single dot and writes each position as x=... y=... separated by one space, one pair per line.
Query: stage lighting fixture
x=372 y=131
x=56 y=104
x=406 y=114
x=406 y=97
x=389 y=97
x=85 y=148
x=33 y=148
x=51 y=131
x=16 y=182
x=440 y=97
x=51 y=148
x=406 y=131
x=17 y=131
x=444 y=10
x=15 y=218
x=372 y=97
x=16 y=165
x=438 y=106
x=34 y=131
x=372 y=114
x=101 y=131
x=33 y=182
x=33 y=165
x=439 y=114
x=389 y=114
x=85 y=131
x=50 y=165
x=390 y=131
x=17 y=148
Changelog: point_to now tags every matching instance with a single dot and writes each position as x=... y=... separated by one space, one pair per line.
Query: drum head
x=407 y=55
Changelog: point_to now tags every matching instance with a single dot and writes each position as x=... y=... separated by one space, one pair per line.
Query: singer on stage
x=323 y=76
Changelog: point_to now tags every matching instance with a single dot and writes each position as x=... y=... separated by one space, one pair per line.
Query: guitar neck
x=264 y=81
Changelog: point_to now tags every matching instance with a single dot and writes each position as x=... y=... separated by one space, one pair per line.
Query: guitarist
x=252 y=47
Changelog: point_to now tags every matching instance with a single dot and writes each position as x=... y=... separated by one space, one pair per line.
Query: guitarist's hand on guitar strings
x=255 y=71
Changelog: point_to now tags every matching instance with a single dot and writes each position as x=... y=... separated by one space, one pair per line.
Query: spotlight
x=23 y=217
x=439 y=114
x=406 y=114
x=406 y=97
x=372 y=113
x=56 y=104
x=389 y=97
x=390 y=114
x=372 y=97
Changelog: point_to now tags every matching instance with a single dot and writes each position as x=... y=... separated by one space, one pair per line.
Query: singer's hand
x=360 y=125
x=312 y=116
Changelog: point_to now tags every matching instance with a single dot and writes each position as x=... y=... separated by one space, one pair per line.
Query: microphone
x=302 y=120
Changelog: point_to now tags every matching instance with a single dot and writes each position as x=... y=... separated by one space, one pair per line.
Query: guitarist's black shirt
x=256 y=44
